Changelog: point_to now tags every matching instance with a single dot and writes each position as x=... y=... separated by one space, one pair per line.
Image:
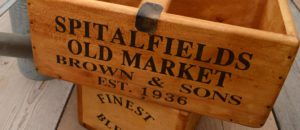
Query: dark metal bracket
x=147 y=17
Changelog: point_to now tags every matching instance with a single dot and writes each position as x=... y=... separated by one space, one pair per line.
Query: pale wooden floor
x=31 y=105
x=27 y=104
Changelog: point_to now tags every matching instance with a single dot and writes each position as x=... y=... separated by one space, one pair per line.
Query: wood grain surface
x=68 y=53
x=69 y=120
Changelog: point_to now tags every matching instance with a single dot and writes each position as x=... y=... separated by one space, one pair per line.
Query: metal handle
x=6 y=5
x=15 y=45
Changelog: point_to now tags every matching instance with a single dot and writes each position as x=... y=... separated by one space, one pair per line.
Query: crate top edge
x=287 y=17
x=285 y=39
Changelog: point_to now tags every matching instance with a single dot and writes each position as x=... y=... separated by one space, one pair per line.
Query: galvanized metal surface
x=15 y=45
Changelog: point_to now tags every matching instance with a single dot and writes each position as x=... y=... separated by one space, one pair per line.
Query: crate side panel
x=206 y=68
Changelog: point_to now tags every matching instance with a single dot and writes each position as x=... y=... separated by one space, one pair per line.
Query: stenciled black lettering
x=112 y=83
x=108 y=70
x=200 y=53
x=74 y=63
x=129 y=105
x=108 y=123
x=101 y=117
x=183 y=47
x=184 y=71
x=89 y=66
x=220 y=57
x=108 y=98
x=154 y=40
x=87 y=29
x=168 y=48
x=218 y=95
x=150 y=64
x=167 y=67
x=87 y=51
x=201 y=92
x=61 y=59
x=118 y=100
x=244 y=61
x=105 y=53
x=128 y=75
x=149 y=117
x=223 y=75
x=100 y=28
x=101 y=98
x=133 y=40
x=74 y=47
x=203 y=75
x=185 y=88
x=74 y=25
x=139 y=111
x=118 y=36
x=60 y=24
x=235 y=100
x=128 y=61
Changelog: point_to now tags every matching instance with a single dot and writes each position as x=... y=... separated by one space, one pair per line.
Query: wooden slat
x=27 y=104
x=287 y=106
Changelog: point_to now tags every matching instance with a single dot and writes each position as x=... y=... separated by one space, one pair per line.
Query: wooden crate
x=99 y=110
x=223 y=59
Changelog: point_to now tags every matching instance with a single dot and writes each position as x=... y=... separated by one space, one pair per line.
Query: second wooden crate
x=99 y=110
